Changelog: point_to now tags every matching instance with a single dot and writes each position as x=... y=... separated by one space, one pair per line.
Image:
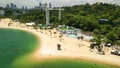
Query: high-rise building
x=36 y=7
x=11 y=5
x=23 y=7
x=43 y=6
x=14 y=7
x=40 y=4
x=50 y=6
x=46 y=4
x=7 y=6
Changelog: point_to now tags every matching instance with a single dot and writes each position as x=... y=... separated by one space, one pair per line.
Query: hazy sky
x=32 y=3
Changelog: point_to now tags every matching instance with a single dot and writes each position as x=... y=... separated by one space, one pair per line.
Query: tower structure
x=47 y=9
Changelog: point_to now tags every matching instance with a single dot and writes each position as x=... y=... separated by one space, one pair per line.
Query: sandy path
x=47 y=47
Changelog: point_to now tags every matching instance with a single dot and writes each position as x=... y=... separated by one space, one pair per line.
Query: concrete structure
x=2 y=12
x=43 y=6
x=47 y=14
x=47 y=8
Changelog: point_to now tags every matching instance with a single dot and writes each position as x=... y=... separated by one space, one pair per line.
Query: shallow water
x=70 y=63
x=16 y=43
x=13 y=44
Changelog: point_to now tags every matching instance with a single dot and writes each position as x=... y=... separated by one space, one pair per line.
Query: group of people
x=101 y=49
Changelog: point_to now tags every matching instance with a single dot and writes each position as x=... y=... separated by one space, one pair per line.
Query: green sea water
x=70 y=63
x=15 y=43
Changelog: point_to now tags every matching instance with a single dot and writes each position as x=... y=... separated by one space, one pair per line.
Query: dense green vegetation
x=15 y=44
x=86 y=17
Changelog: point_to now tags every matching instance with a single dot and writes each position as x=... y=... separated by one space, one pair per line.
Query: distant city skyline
x=32 y=3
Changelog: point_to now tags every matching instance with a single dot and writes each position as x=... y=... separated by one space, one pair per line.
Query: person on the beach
x=9 y=24
x=58 y=46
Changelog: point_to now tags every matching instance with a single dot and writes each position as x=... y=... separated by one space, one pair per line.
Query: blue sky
x=31 y=3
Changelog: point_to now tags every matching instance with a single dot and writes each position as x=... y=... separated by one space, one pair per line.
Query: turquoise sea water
x=16 y=43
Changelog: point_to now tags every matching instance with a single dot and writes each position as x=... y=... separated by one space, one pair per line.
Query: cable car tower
x=47 y=9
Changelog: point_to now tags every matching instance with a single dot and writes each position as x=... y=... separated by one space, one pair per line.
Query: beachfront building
x=67 y=31
x=74 y=33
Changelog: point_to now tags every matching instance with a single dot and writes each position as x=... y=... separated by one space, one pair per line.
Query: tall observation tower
x=47 y=9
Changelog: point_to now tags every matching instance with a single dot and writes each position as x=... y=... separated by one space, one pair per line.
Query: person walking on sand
x=58 y=47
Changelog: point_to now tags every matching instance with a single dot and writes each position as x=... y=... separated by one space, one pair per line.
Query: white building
x=30 y=24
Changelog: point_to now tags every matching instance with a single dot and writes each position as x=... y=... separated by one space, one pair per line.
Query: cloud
x=19 y=3
x=32 y=3
x=64 y=2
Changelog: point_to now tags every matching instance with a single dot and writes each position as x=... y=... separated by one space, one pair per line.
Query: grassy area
x=14 y=44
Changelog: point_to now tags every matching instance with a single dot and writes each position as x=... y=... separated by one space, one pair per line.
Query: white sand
x=70 y=49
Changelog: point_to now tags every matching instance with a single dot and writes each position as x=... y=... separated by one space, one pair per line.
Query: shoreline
x=47 y=49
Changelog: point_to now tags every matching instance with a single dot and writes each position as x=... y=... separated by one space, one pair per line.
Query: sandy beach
x=47 y=46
